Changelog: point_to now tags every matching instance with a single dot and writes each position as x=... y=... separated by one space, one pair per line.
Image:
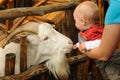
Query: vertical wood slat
x=101 y=12
x=23 y=19
x=68 y=28
x=23 y=53
x=96 y=71
x=9 y=22
x=43 y=76
x=85 y=68
x=10 y=64
x=23 y=3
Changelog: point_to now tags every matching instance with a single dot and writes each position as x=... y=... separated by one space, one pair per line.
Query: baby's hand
x=76 y=45
x=82 y=46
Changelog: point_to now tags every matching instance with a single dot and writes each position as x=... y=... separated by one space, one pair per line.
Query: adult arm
x=109 y=42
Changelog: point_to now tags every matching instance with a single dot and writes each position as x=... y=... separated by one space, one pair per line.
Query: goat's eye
x=46 y=38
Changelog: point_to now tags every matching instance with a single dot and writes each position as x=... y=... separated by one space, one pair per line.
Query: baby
x=86 y=17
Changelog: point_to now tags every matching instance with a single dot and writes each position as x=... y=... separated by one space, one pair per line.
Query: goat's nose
x=70 y=42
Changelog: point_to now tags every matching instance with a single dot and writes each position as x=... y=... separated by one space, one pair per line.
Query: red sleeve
x=93 y=33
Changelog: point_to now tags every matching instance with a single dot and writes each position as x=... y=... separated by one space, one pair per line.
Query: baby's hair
x=92 y=6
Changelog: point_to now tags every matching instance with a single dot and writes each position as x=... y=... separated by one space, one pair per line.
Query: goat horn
x=28 y=27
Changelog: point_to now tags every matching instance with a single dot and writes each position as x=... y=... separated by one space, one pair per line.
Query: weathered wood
x=10 y=64
x=69 y=29
x=16 y=24
x=9 y=22
x=3 y=32
x=21 y=20
x=23 y=53
x=39 y=69
x=29 y=11
x=23 y=3
x=85 y=70
x=40 y=2
x=3 y=2
x=101 y=12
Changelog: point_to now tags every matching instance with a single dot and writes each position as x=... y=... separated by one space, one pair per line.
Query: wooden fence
x=81 y=67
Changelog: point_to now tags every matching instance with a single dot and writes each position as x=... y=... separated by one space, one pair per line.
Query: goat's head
x=48 y=45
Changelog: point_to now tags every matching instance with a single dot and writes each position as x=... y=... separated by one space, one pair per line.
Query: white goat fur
x=48 y=45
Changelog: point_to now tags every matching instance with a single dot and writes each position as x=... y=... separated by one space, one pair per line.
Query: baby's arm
x=79 y=45
x=92 y=44
x=87 y=45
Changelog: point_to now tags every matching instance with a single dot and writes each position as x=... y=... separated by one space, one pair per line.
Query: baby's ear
x=33 y=39
x=83 y=22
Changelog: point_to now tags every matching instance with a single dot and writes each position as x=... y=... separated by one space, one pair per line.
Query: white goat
x=45 y=45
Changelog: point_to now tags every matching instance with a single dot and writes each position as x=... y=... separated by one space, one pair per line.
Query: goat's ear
x=33 y=39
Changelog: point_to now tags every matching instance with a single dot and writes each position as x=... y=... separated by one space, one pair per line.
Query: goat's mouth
x=67 y=49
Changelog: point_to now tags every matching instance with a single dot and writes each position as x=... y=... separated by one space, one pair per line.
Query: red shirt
x=93 y=33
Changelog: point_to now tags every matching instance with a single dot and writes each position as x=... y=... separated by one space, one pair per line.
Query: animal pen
x=57 y=12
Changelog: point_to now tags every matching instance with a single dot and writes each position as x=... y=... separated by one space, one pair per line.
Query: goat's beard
x=58 y=66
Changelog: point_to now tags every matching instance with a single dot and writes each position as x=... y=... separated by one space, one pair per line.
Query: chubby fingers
x=76 y=45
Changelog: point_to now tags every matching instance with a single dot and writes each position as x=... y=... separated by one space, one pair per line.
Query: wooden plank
x=40 y=69
x=42 y=10
x=10 y=64
x=23 y=53
x=101 y=7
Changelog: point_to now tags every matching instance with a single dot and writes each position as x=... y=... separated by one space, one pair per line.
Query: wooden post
x=69 y=29
x=9 y=22
x=101 y=7
x=10 y=64
x=85 y=68
x=23 y=53
x=40 y=69
x=23 y=3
